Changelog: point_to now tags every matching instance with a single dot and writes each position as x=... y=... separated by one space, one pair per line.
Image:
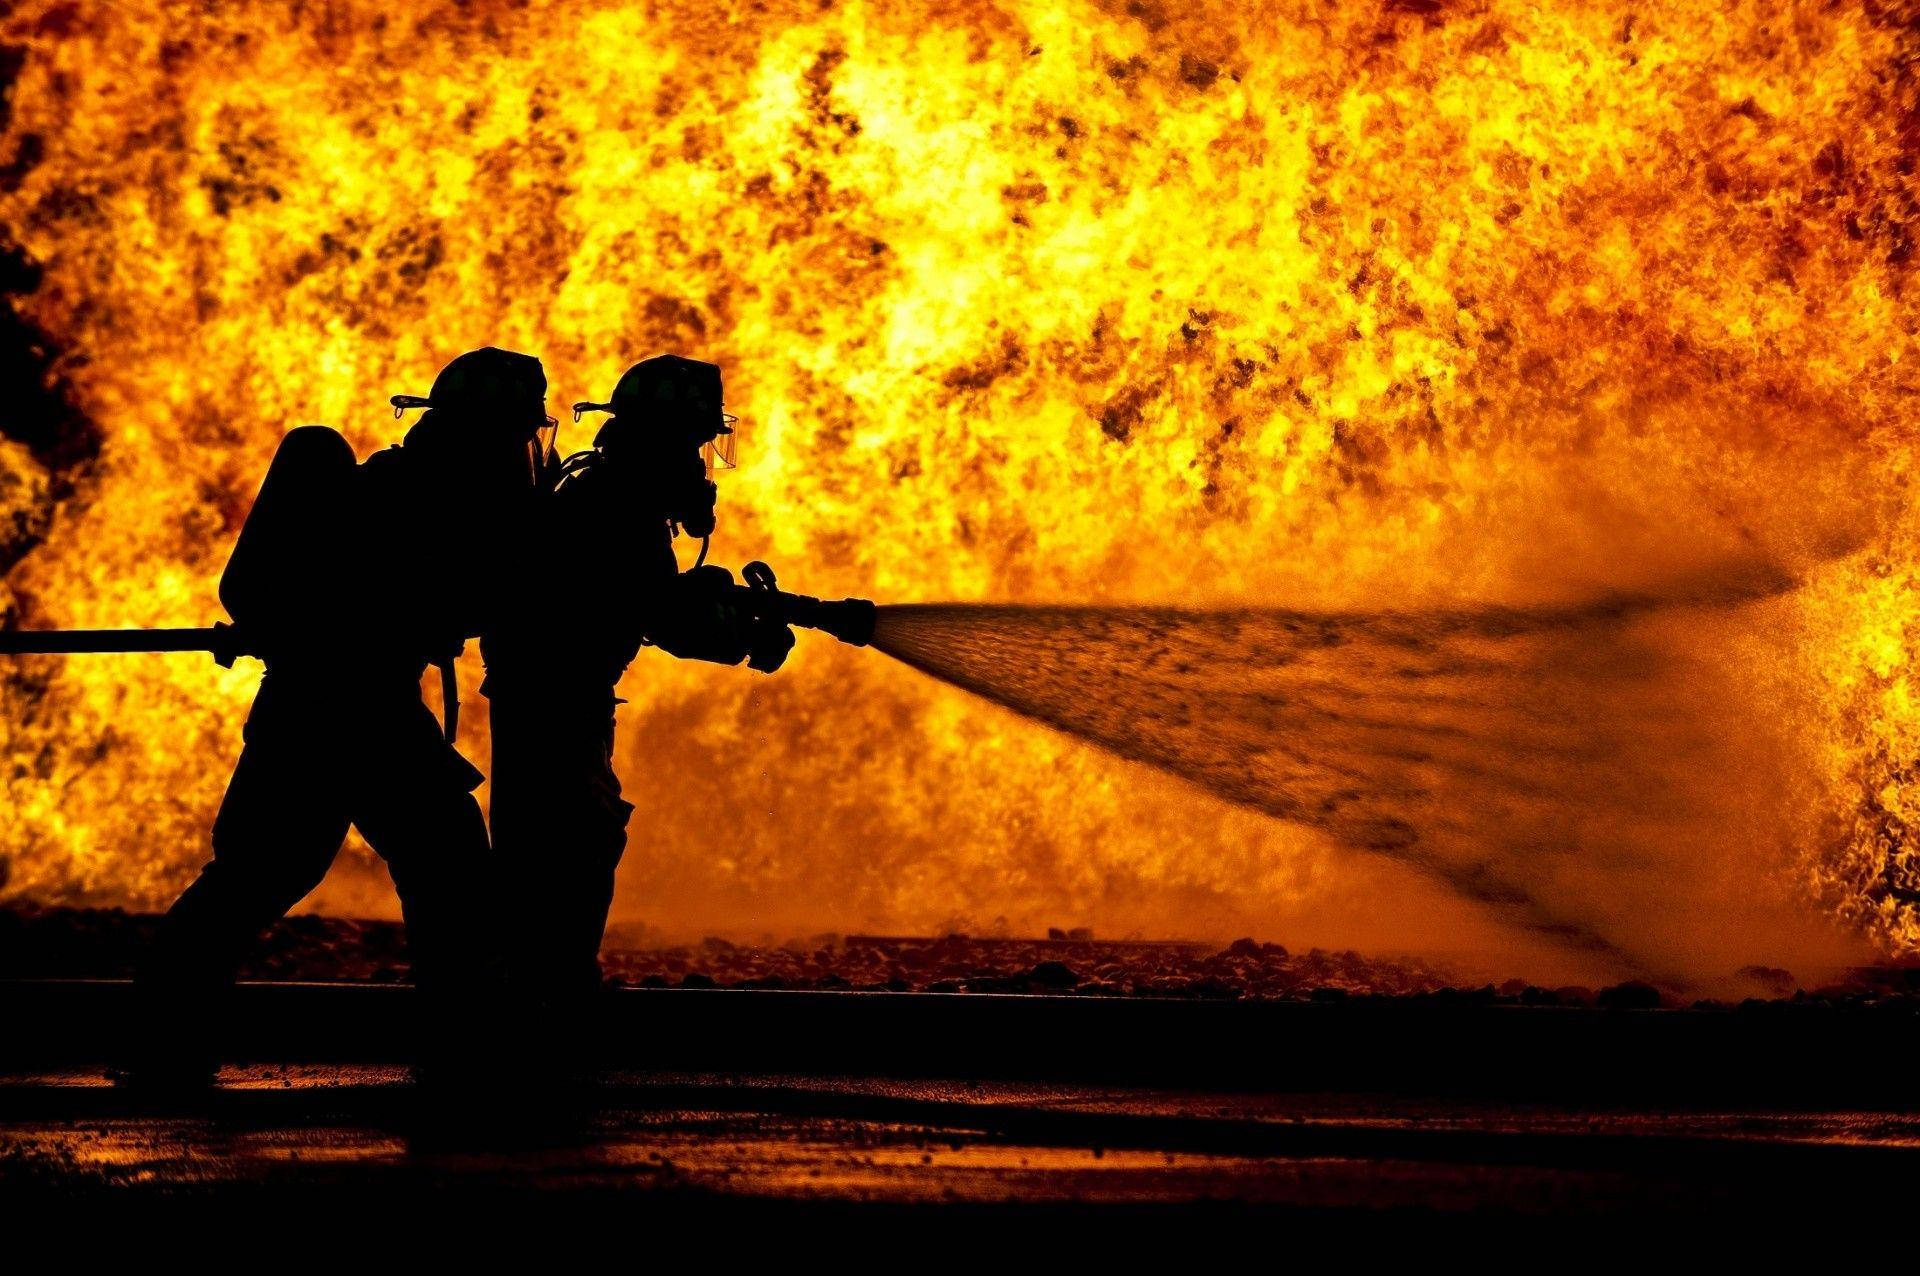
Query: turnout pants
x=559 y=829
x=321 y=755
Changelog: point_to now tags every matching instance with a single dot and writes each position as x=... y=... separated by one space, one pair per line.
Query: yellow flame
x=1019 y=301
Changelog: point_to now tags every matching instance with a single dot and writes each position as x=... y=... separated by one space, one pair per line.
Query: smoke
x=1593 y=773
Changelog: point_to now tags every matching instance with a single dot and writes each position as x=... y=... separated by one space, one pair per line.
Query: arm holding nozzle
x=849 y=619
x=708 y=616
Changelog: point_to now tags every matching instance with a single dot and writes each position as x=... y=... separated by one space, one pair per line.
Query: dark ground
x=1186 y=1087
x=845 y=1109
x=327 y=1137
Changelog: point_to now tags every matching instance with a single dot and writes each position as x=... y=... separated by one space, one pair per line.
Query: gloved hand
x=768 y=643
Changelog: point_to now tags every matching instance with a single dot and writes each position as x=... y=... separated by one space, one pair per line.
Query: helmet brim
x=726 y=420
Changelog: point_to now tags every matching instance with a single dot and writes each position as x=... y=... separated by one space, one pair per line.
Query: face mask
x=540 y=458
x=687 y=495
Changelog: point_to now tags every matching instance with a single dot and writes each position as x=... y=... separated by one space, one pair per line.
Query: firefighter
x=349 y=579
x=606 y=583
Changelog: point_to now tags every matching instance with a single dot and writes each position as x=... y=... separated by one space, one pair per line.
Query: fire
x=1360 y=306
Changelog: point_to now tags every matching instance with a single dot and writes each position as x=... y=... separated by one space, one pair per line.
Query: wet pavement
x=811 y=1108
x=318 y=1134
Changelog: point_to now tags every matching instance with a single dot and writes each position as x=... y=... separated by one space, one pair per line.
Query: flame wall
x=1290 y=303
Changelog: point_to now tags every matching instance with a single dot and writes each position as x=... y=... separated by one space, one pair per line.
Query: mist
x=1593 y=774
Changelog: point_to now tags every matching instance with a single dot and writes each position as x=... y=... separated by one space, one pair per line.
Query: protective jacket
x=601 y=582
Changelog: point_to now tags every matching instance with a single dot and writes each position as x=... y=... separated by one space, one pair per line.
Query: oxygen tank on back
x=284 y=584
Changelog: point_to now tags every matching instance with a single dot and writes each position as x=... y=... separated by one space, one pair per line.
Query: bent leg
x=275 y=837
x=278 y=830
x=413 y=801
x=590 y=836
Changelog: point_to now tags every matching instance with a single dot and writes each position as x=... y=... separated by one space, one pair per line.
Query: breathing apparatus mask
x=670 y=435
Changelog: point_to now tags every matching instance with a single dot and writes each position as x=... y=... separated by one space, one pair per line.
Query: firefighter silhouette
x=607 y=582
x=348 y=580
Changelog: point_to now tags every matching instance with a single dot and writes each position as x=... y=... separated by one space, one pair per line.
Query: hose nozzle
x=851 y=620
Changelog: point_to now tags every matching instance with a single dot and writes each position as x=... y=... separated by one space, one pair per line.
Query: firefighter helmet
x=669 y=392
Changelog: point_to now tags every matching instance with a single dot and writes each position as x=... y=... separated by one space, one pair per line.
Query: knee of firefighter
x=609 y=812
x=254 y=880
x=269 y=836
x=599 y=828
x=464 y=775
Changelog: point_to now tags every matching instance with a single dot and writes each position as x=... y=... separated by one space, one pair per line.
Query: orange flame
x=1018 y=300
